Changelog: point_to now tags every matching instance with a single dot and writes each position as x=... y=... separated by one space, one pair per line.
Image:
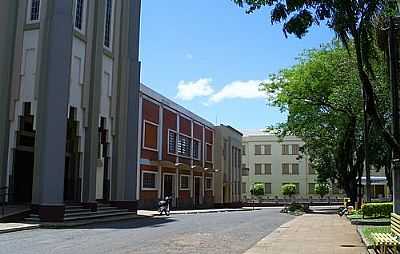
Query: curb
x=370 y=223
x=11 y=230
x=367 y=244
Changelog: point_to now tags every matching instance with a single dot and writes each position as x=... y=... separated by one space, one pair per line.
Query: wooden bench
x=388 y=242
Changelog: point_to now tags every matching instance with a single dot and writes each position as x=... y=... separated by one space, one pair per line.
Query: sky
x=209 y=56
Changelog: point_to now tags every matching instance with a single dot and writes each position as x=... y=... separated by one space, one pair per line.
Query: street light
x=394 y=68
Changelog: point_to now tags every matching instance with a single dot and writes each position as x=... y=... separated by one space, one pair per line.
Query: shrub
x=322 y=189
x=288 y=189
x=377 y=209
x=258 y=190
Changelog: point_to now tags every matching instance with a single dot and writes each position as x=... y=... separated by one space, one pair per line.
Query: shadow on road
x=129 y=224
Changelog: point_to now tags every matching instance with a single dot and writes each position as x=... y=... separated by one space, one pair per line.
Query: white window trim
x=144 y=135
x=191 y=152
x=180 y=182
x=198 y=140
x=156 y=183
x=29 y=12
x=212 y=183
x=84 y=10
x=176 y=142
x=265 y=150
x=212 y=153
x=111 y=26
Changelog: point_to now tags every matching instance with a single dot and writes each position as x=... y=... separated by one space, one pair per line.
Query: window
x=267 y=188
x=243 y=150
x=150 y=135
x=311 y=188
x=295 y=169
x=285 y=149
x=184 y=182
x=295 y=149
x=149 y=180
x=196 y=149
x=267 y=149
x=79 y=14
x=257 y=169
x=285 y=169
x=171 y=142
x=34 y=11
x=243 y=187
x=311 y=170
x=268 y=170
x=209 y=183
x=108 y=24
x=209 y=156
x=184 y=146
x=245 y=171
x=257 y=149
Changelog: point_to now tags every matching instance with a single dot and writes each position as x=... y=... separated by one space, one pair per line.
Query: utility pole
x=394 y=85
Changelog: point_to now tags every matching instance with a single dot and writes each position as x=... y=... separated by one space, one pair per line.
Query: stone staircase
x=78 y=212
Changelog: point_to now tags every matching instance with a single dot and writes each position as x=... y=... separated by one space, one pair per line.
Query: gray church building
x=69 y=98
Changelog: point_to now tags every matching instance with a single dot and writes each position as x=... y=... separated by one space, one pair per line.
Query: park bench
x=388 y=242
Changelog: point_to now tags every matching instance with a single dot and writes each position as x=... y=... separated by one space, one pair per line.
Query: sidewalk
x=175 y=212
x=312 y=233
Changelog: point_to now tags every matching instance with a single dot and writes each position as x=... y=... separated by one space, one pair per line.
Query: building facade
x=176 y=155
x=69 y=103
x=274 y=162
x=228 y=161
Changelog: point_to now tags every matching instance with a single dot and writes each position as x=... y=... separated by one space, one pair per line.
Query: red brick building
x=176 y=155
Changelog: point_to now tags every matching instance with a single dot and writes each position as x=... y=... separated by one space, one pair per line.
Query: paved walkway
x=312 y=233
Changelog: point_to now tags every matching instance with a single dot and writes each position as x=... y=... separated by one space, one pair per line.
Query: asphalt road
x=229 y=232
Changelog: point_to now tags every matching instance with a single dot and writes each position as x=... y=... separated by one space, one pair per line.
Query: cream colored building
x=273 y=162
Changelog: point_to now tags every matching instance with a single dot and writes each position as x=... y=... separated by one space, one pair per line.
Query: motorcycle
x=164 y=206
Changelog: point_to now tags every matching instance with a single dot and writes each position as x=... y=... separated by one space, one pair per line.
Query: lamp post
x=394 y=68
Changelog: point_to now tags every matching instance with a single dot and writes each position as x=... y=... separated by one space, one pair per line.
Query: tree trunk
x=369 y=98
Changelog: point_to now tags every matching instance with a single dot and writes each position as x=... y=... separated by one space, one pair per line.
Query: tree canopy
x=355 y=23
x=323 y=99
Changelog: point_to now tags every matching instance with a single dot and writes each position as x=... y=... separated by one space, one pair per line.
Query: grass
x=367 y=232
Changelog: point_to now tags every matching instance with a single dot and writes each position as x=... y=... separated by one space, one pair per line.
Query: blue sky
x=209 y=56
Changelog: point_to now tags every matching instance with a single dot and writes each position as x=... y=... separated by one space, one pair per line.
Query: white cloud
x=239 y=90
x=189 y=56
x=189 y=90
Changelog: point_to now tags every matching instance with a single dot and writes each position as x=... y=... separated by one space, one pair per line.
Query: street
x=228 y=232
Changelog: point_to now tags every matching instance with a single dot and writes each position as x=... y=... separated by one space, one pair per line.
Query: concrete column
x=96 y=21
x=128 y=103
x=191 y=164
x=160 y=146
x=8 y=24
x=139 y=151
x=53 y=79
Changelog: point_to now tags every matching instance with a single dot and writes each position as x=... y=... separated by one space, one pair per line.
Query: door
x=23 y=178
x=168 y=186
x=379 y=191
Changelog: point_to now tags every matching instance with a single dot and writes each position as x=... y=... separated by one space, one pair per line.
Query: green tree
x=257 y=190
x=322 y=189
x=288 y=190
x=322 y=97
x=354 y=22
